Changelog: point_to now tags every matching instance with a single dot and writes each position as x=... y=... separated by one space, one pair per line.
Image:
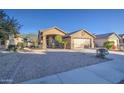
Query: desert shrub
x=12 y=47
x=108 y=44
x=20 y=45
x=53 y=46
x=25 y=44
x=59 y=40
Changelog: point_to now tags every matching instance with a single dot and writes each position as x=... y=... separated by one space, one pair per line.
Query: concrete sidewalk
x=104 y=73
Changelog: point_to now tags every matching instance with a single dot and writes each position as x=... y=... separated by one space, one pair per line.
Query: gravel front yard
x=20 y=67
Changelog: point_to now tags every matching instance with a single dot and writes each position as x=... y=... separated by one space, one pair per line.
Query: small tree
x=64 y=43
x=108 y=44
x=58 y=38
x=12 y=47
x=61 y=41
x=20 y=45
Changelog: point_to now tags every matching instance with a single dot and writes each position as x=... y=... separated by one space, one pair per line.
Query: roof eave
x=53 y=28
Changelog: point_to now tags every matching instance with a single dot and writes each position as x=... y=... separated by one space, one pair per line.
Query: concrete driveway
x=110 y=72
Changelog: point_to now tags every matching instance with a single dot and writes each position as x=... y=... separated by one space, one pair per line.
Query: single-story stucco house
x=28 y=41
x=102 y=38
x=77 y=39
x=11 y=41
x=15 y=40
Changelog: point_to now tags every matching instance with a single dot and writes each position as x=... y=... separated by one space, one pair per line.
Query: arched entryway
x=51 y=42
x=47 y=37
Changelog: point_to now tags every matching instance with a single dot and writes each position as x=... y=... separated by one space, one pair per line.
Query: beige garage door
x=81 y=43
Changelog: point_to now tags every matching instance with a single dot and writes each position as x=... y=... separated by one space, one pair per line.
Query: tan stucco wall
x=113 y=37
x=18 y=40
x=81 y=34
x=15 y=41
x=53 y=31
x=100 y=42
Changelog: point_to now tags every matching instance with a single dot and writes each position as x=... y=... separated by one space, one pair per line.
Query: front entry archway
x=47 y=37
x=51 y=42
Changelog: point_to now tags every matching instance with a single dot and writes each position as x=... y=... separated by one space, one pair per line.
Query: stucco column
x=44 y=42
x=118 y=43
x=92 y=43
x=72 y=43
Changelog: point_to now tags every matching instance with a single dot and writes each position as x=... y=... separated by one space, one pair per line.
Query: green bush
x=58 y=39
x=64 y=42
x=53 y=46
x=12 y=47
x=20 y=45
x=108 y=44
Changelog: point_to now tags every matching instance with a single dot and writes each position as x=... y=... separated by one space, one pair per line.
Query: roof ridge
x=52 y=28
x=106 y=33
x=80 y=30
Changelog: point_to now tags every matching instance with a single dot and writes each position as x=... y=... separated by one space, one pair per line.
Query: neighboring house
x=121 y=41
x=77 y=39
x=80 y=39
x=19 y=40
x=122 y=38
x=14 y=40
x=102 y=38
x=11 y=41
x=28 y=42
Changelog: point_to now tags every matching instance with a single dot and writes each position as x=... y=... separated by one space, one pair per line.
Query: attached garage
x=82 y=43
x=80 y=39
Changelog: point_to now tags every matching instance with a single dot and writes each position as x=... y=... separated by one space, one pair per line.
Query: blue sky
x=95 y=21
